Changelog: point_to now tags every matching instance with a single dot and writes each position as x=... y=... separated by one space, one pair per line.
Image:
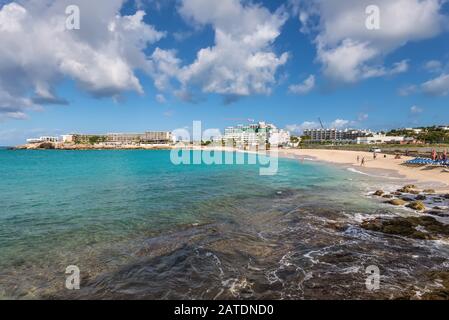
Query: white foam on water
x=371 y=175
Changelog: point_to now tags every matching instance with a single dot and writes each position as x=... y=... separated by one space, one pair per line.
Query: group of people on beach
x=434 y=155
x=362 y=160
x=440 y=157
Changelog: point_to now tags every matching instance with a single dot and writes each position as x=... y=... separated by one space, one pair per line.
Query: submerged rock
x=429 y=191
x=437 y=213
x=338 y=226
x=420 y=197
x=442 y=293
x=432 y=292
x=425 y=227
x=397 y=202
x=388 y=196
x=417 y=205
x=407 y=199
x=379 y=193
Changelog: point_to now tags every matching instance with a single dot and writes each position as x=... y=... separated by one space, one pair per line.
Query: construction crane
x=321 y=123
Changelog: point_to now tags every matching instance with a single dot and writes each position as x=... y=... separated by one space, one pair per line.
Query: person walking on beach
x=363 y=162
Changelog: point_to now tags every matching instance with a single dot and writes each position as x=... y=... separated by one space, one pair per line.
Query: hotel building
x=336 y=135
x=256 y=134
x=150 y=137
x=43 y=139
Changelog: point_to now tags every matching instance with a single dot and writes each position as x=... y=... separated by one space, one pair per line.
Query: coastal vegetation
x=429 y=135
x=96 y=139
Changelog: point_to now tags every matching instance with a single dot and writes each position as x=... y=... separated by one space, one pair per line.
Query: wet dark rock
x=441 y=277
x=408 y=189
x=387 y=196
x=397 y=193
x=446 y=196
x=432 y=293
x=417 y=205
x=338 y=226
x=378 y=193
x=408 y=199
x=420 y=197
x=397 y=202
x=437 y=213
x=430 y=227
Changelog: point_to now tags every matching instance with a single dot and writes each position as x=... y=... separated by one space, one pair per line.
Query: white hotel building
x=256 y=134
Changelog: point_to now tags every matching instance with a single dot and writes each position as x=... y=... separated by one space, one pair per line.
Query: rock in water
x=417 y=205
x=397 y=202
x=410 y=188
x=378 y=193
x=425 y=227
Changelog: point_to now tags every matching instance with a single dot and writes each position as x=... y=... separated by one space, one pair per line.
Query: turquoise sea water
x=138 y=226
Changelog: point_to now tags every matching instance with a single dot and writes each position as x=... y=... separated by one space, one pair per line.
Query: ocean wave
x=371 y=175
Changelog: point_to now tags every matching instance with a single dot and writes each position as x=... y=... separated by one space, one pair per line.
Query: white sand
x=434 y=177
x=425 y=177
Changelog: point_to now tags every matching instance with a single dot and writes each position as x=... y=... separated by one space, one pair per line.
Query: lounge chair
x=419 y=162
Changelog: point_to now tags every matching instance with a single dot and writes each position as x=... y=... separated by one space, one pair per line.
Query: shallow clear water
x=138 y=226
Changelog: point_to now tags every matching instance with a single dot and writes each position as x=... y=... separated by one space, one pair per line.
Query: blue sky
x=159 y=65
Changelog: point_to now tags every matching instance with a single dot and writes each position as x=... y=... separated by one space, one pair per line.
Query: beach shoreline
x=433 y=178
x=387 y=167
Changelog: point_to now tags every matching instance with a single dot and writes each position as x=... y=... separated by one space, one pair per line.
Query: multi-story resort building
x=151 y=137
x=43 y=139
x=353 y=136
x=255 y=135
x=382 y=138
x=336 y=135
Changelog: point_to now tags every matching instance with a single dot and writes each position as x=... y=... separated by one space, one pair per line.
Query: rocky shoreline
x=427 y=221
x=425 y=217
x=425 y=201
x=427 y=206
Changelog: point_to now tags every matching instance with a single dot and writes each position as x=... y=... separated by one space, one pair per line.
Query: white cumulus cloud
x=299 y=128
x=304 y=87
x=242 y=60
x=37 y=51
x=438 y=86
x=349 y=51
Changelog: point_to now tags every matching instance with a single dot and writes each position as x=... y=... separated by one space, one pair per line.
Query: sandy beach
x=430 y=177
x=425 y=177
